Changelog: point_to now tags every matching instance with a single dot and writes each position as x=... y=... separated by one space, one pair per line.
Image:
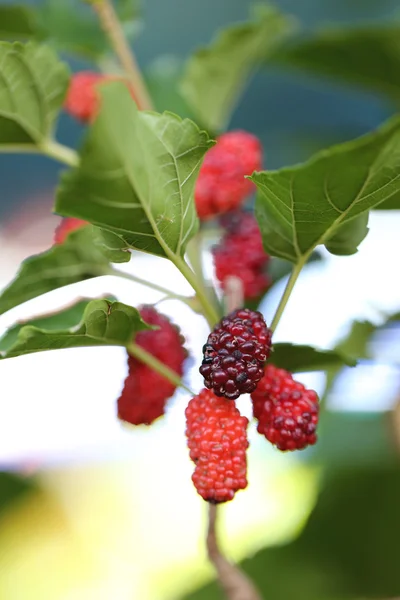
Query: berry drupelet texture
x=65 y=227
x=235 y=353
x=221 y=185
x=286 y=411
x=217 y=440
x=240 y=253
x=83 y=99
x=145 y=391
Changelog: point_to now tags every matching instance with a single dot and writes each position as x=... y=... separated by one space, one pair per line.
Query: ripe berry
x=65 y=227
x=287 y=412
x=221 y=185
x=145 y=391
x=235 y=353
x=217 y=440
x=82 y=101
x=241 y=254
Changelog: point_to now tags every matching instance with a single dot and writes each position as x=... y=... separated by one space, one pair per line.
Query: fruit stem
x=150 y=284
x=209 y=310
x=59 y=152
x=234 y=293
x=233 y=581
x=152 y=362
x=287 y=292
x=113 y=29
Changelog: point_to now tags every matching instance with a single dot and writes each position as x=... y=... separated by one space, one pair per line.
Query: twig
x=113 y=29
x=236 y=585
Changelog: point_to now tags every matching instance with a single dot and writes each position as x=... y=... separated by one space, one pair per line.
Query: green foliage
x=348 y=548
x=111 y=245
x=13 y=488
x=33 y=83
x=137 y=175
x=215 y=76
x=75 y=260
x=301 y=207
x=104 y=323
x=163 y=81
x=65 y=319
x=17 y=22
x=69 y=26
x=302 y=358
x=367 y=56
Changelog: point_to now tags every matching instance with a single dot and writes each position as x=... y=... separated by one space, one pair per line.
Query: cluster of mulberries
x=240 y=253
x=145 y=391
x=222 y=185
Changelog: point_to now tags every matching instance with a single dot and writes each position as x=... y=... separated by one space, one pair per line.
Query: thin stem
x=234 y=293
x=113 y=29
x=60 y=152
x=152 y=362
x=287 y=292
x=233 y=581
x=209 y=310
x=149 y=284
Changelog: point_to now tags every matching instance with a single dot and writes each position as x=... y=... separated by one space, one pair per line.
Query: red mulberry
x=65 y=227
x=286 y=411
x=145 y=391
x=221 y=185
x=82 y=101
x=241 y=254
x=235 y=353
x=217 y=440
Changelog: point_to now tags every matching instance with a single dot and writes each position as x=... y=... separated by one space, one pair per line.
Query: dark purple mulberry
x=235 y=353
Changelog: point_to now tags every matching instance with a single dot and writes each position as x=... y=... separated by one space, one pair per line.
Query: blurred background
x=92 y=509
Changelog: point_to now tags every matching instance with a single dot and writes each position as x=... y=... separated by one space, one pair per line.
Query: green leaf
x=216 y=76
x=137 y=175
x=301 y=207
x=349 y=236
x=302 y=358
x=393 y=203
x=63 y=319
x=163 y=81
x=104 y=323
x=368 y=57
x=14 y=488
x=33 y=83
x=17 y=22
x=111 y=245
x=72 y=27
x=75 y=260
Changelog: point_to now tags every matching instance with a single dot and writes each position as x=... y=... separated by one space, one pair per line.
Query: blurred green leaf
x=348 y=548
x=367 y=56
x=33 y=83
x=63 y=319
x=163 y=80
x=75 y=260
x=17 y=22
x=301 y=207
x=103 y=323
x=355 y=345
x=13 y=487
x=216 y=76
x=302 y=358
x=72 y=27
x=137 y=175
